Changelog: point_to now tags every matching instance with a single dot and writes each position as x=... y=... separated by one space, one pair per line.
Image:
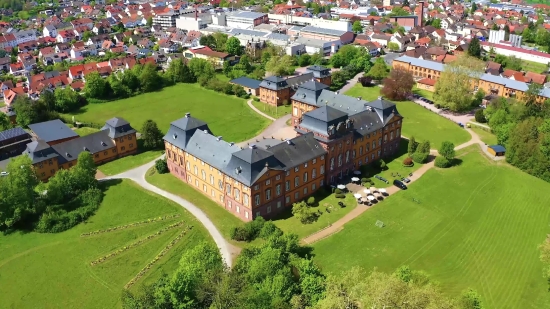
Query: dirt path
x=249 y=102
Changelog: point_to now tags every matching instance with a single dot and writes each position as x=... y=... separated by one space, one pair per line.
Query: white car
x=2 y=174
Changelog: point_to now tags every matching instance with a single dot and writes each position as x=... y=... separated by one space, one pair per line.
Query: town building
x=13 y=142
x=334 y=138
x=166 y=19
x=246 y=20
x=54 y=148
x=277 y=90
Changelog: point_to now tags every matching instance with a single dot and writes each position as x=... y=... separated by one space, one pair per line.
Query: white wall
x=317 y=22
x=523 y=56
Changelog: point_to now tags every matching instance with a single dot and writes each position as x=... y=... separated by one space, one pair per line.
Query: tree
x=454 y=87
x=18 y=199
x=161 y=166
x=420 y=157
x=412 y=146
x=304 y=213
x=201 y=67
x=379 y=70
x=513 y=63
x=208 y=40
x=280 y=65
x=149 y=21
x=95 y=85
x=474 y=49
x=149 y=79
x=233 y=46
x=393 y=46
x=25 y=112
x=175 y=71
x=357 y=27
x=87 y=35
x=473 y=8
x=398 y=86
x=506 y=32
x=423 y=147
x=66 y=99
x=399 y=11
x=447 y=150
x=436 y=23
x=120 y=90
x=479 y=116
x=151 y=135
x=304 y=60
x=471 y=300
x=5 y=122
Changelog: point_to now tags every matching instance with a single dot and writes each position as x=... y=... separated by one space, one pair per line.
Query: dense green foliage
x=161 y=166
x=151 y=135
x=523 y=128
x=69 y=197
x=254 y=229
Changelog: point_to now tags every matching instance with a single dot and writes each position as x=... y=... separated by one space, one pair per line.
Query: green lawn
x=418 y=121
x=226 y=115
x=221 y=218
x=83 y=131
x=394 y=166
x=54 y=271
x=275 y=112
x=486 y=136
x=534 y=67
x=289 y=224
x=425 y=93
x=475 y=225
x=129 y=162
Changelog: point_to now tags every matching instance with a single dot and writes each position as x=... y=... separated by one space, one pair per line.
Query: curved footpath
x=137 y=174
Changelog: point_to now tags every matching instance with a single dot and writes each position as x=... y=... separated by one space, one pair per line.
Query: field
x=485 y=136
x=226 y=115
x=418 y=121
x=534 y=67
x=474 y=225
x=54 y=271
x=275 y=112
x=221 y=218
x=85 y=131
x=129 y=162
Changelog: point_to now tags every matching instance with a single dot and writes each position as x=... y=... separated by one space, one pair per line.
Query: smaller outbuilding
x=250 y=85
x=496 y=150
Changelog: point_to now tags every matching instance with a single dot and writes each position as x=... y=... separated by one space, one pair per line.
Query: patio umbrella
x=357 y=195
x=364 y=199
x=367 y=191
x=341 y=187
x=370 y=197
x=382 y=191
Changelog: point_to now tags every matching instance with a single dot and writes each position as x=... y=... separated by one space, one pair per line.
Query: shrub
x=304 y=213
x=442 y=162
x=420 y=157
x=340 y=195
x=249 y=231
x=437 y=105
x=382 y=164
x=365 y=180
x=408 y=162
x=269 y=228
x=368 y=180
x=161 y=166
x=311 y=200
x=337 y=191
x=256 y=99
x=480 y=116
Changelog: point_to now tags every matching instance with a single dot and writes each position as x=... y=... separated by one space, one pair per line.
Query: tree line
x=68 y=198
x=280 y=273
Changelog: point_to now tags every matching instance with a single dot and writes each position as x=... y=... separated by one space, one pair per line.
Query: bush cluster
x=56 y=219
x=408 y=162
x=254 y=229
x=161 y=166
x=224 y=87
x=136 y=243
x=156 y=259
x=122 y=227
x=442 y=162
x=340 y=195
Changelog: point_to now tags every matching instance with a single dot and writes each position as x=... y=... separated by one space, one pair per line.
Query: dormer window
x=103 y=144
x=175 y=136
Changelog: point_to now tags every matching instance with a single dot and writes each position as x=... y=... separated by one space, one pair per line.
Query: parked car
x=2 y=174
x=405 y=180
x=381 y=178
x=399 y=184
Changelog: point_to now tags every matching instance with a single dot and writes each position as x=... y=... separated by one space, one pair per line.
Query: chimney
x=187 y=115
x=421 y=15
x=333 y=49
x=196 y=13
x=252 y=146
x=205 y=131
x=219 y=138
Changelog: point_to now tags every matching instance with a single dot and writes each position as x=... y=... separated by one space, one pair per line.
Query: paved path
x=462 y=118
x=249 y=102
x=137 y=174
x=278 y=129
x=350 y=83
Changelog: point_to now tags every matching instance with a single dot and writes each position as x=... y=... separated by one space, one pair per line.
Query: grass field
x=476 y=225
x=290 y=224
x=534 y=67
x=485 y=136
x=221 y=218
x=83 y=131
x=425 y=93
x=275 y=112
x=226 y=115
x=53 y=270
x=418 y=121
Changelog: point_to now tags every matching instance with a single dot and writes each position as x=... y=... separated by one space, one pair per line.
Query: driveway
x=278 y=129
x=455 y=117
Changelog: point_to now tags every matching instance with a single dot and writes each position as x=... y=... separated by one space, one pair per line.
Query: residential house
x=204 y=52
x=50 y=31
x=5 y=63
x=277 y=90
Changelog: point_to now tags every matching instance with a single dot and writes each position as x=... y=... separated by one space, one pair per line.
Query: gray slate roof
x=207 y=147
x=39 y=151
x=318 y=71
x=181 y=130
x=93 y=143
x=118 y=127
x=297 y=151
x=248 y=165
x=13 y=133
x=309 y=91
x=325 y=31
x=246 y=82
x=52 y=130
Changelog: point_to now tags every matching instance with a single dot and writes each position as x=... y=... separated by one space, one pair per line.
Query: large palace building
x=336 y=134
